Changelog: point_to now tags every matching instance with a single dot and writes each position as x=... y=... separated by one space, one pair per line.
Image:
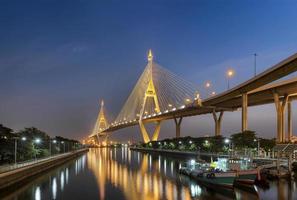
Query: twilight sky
x=58 y=58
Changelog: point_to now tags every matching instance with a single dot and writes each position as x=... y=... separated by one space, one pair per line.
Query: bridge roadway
x=254 y=91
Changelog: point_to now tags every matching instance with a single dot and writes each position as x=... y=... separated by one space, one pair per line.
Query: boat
x=245 y=176
x=215 y=178
x=212 y=175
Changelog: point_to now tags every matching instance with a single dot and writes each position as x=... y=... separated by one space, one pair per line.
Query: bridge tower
x=101 y=122
x=150 y=93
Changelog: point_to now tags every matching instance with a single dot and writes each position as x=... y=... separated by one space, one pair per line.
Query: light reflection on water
x=140 y=176
x=122 y=174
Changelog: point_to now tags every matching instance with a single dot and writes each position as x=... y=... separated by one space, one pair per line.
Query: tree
x=6 y=144
x=216 y=143
x=267 y=144
x=35 y=149
x=244 y=140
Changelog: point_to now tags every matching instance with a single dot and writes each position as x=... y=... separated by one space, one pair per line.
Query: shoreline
x=17 y=176
x=175 y=152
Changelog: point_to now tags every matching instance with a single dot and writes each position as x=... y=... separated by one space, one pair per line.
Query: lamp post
x=208 y=86
x=255 y=64
x=63 y=146
x=16 y=147
x=258 y=146
x=230 y=74
x=227 y=141
x=50 y=145
x=54 y=141
x=15 y=150
x=36 y=141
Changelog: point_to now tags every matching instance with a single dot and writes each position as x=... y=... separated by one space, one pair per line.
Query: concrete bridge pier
x=218 y=121
x=244 y=110
x=106 y=138
x=145 y=134
x=157 y=131
x=290 y=125
x=280 y=105
x=98 y=139
x=177 y=126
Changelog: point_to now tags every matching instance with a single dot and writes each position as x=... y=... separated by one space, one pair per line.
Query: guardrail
x=6 y=168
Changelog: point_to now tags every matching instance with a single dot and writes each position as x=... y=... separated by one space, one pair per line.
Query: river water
x=121 y=174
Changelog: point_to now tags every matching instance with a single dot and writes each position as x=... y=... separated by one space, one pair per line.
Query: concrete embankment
x=17 y=176
x=175 y=152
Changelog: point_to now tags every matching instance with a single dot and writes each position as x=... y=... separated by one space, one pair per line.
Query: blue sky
x=58 y=58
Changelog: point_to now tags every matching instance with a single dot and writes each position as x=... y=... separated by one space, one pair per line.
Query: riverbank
x=19 y=175
x=259 y=160
x=176 y=152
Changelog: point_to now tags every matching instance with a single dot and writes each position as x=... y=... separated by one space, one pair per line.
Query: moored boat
x=247 y=176
x=217 y=179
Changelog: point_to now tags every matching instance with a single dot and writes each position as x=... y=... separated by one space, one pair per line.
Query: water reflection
x=126 y=175
x=54 y=188
x=136 y=182
x=37 y=193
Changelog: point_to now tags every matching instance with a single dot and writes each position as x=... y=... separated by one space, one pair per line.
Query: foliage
x=29 y=148
x=6 y=144
x=193 y=147
x=243 y=140
x=267 y=144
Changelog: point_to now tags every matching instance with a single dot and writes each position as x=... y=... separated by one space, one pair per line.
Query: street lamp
x=230 y=74
x=258 y=145
x=16 y=147
x=255 y=64
x=37 y=141
x=207 y=84
x=227 y=141
x=50 y=145
x=63 y=145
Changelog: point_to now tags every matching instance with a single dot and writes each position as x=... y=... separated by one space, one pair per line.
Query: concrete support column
x=145 y=134
x=289 y=134
x=280 y=104
x=218 y=121
x=98 y=139
x=143 y=131
x=106 y=138
x=278 y=117
x=177 y=126
x=157 y=131
x=244 y=121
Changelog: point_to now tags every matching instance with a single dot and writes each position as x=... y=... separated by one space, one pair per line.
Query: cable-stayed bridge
x=161 y=95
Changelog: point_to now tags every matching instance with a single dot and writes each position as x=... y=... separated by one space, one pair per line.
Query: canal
x=121 y=174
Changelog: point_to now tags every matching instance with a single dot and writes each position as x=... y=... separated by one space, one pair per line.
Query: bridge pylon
x=101 y=122
x=150 y=93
